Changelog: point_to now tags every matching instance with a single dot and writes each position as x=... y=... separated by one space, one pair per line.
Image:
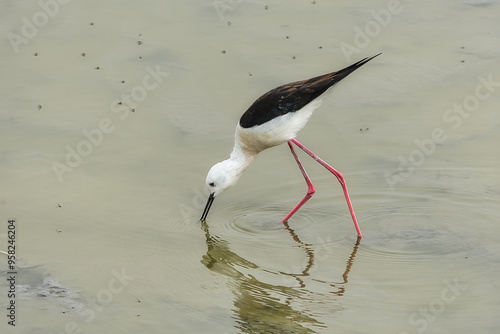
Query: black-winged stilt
x=273 y=119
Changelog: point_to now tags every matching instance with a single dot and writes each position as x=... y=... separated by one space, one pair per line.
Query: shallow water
x=112 y=241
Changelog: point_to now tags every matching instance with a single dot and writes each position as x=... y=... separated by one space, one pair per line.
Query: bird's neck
x=240 y=158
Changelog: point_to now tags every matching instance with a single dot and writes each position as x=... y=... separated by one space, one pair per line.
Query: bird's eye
x=212 y=184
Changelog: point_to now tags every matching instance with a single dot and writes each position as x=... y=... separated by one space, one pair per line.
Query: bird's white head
x=222 y=176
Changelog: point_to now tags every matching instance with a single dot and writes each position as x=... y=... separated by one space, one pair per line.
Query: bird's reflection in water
x=268 y=308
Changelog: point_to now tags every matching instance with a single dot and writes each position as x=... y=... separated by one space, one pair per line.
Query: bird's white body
x=275 y=132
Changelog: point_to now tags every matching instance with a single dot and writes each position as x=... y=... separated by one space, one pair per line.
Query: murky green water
x=113 y=113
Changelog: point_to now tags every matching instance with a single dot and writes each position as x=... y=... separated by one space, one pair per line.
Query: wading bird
x=273 y=119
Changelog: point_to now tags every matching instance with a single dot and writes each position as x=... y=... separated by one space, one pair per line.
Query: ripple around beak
x=207 y=207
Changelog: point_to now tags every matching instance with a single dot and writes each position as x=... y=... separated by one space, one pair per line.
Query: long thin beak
x=207 y=207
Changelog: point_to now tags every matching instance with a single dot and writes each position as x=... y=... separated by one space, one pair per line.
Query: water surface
x=150 y=93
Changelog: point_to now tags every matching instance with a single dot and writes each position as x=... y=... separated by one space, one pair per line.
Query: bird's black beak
x=207 y=207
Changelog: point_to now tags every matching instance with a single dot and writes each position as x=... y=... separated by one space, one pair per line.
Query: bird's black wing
x=293 y=96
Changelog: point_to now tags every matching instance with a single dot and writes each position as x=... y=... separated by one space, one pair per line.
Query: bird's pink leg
x=310 y=187
x=337 y=174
